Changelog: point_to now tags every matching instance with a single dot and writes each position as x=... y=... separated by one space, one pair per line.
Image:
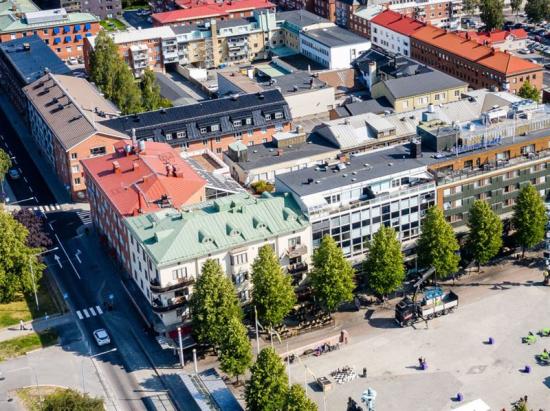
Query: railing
x=181 y=283
x=297 y=268
x=172 y=304
x=297 y=250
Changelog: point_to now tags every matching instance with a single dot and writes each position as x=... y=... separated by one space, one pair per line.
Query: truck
x=435 y=303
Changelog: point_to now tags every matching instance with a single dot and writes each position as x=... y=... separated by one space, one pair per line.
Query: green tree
x=150 y=92
x=492 y=14
x=261 y=185
x=516 y=6
x=16 y=259
x=235 y=349
x=104 y=60
x=5 y=165
x=384 y=265
x=126 y=93
x=213 y=303
x=537 y=10
x=71 y=400
x=485 y=232
x=297 y=400
x=530 y=91
x=529 y=218
x=266 y=389
x=272 y=292
x=437 y=246
x=332 y=277
x=470 y=6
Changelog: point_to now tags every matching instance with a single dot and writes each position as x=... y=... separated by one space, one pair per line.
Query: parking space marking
x=79 y=315
x=86 y=313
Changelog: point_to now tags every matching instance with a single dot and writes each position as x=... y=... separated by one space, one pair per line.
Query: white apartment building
x=168 y=248
x=391 y=31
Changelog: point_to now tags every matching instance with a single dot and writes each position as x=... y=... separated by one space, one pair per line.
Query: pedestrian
x=420 y=362
x=21 y=325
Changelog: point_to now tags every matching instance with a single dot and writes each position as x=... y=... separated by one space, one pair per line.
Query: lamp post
x=21 y=201
x=32 y=274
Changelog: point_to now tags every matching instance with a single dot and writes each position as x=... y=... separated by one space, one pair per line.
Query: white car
x=101 y=337
x=73 y=60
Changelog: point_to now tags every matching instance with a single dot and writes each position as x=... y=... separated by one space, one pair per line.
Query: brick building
x=64 y=114
x=503 y=40
x=212 y=124
x=63 y=32
x=481 y=66
x=391 y=32
x=326 y=9
x=137 y=179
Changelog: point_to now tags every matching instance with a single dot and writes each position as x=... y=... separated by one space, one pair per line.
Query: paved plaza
x=505 y=305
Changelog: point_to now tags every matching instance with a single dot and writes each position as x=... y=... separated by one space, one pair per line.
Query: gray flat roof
x=263 y=155
x=170 y=90
x=376 y=106
x=300 y=18
x=422 y=83
x=296 y=83
x=335 y=36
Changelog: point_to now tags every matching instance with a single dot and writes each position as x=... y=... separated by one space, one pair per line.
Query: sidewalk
x=56 y=187
x=37 y=325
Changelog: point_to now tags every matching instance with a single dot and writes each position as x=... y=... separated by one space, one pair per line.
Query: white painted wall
x=389 y=40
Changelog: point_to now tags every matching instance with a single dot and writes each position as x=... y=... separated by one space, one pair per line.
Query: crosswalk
x=89 y=312
x=47 y=208
x=84 y=216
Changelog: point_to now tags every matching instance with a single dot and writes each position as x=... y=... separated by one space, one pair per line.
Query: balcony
x=174 y=303
x=297 y=250
x=181 y=283
x=298 y=268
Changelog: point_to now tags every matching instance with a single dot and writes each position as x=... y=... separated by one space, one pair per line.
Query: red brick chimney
x=116 y=167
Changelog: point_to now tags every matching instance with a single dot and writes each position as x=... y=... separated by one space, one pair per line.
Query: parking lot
x=505 y=303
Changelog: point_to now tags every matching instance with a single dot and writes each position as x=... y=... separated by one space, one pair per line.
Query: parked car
x=547 y=66
x=101 y=337
x=72 y=61
x=524 y=51
x=14 y=173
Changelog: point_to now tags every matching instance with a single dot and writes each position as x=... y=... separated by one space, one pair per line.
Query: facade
x=344 y=10
x=64 y=114
x=391 y=32
x=296 y=21
x=204 y=14
x=137 y=179
x=503 y=40
x=213 y=124
x=63 y=32
x=481 y=66
x=103 y=8
x=325 y=9
x=152 y=48
x=23 y=61
x=169 y=247
x=360 y=19
x=288 y=152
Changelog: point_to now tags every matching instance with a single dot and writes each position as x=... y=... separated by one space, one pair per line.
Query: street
x=87 y=282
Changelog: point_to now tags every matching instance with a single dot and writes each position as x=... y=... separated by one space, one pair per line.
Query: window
x=203 y=130
x=248 y=121
x=293 y=242
x=179 y=273
x=278 y=115
x=204 y=142
x=98 y=151
x=75 y=169
x=77 y=181
x=239 y=259
x=74 y=156
x=214 y=127
x=268 y=116
x=180 y=134
x=237 y=123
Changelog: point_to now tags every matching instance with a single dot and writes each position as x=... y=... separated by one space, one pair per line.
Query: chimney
x=134 y=141
x=169 y=169
x=116 y=167
x=135 y=166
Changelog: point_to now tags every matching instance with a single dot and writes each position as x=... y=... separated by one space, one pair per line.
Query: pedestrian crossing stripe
x=89 y=312
x=47 y=208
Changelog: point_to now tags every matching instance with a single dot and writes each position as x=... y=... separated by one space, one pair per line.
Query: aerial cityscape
x=274 y=205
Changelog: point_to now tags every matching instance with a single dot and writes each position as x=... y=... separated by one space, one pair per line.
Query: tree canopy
x=516 y=5
x=492 y=14
x=297 y=400
x=16 y=258
x=37 y=237
x=5 y=164
x=266 y=390
x=529 y=218
x=528 y=90
x=437 y=246
x=272 y=292
x=537 y=10
x=213 y=303
x=485 y=232
x=70 y=400
x=150 y=92
x=470 y=6
x=332 y=277
x=235 y=349
x=384 y=265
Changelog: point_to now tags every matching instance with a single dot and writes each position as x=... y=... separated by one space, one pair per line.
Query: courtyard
x=505 y=303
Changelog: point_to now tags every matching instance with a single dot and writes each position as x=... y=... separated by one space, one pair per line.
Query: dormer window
x=237 y=123
x=215 y=127
x=248 y=121
x=181 y=134
x=278 y=115
x=268 y=116
x=203 y=130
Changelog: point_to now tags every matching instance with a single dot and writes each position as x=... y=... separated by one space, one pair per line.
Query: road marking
x=51 y=226
x=30 y=189
x=99 y=310
x=25 y=178
x=35 y=209
x=56 y=257
x=93 y=311
x=86 y=313
x=20 y=171
x=57 y=207
x=84 y=216
x=79 y=314
x=66 y=255
x=47 y=207
x=14 y=161
x=78 y=258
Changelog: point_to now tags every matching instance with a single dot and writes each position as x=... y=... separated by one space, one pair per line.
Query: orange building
x=63 y=32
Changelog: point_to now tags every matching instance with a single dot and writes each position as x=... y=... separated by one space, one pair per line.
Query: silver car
x=101 y=337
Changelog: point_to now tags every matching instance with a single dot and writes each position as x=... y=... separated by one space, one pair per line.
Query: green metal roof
x=10 y=23
x=179 y=235
x=20 y=6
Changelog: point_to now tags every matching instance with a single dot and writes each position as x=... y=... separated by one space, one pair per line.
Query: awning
x=76 y=27
x=66 y=29
x=78 y=37
x=56 y=30
x=87 y=26
x=56 y=40
x=67 y=39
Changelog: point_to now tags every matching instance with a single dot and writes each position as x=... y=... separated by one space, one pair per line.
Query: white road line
x=78 y=258
x=25 y=178
x=14 y=160
x=86 y=313
x=79 y=314
x=35 y=209
x=67 y=255
x=30 y=189
x=57 y=207
x=93 y=311
x=47 y=207
x=99 y=310
x=20 y=171
x=51 y=226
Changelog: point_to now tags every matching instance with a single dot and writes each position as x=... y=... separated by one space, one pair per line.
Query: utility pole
x=182 y=359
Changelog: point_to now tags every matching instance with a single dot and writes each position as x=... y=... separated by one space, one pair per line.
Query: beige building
x=419 y=91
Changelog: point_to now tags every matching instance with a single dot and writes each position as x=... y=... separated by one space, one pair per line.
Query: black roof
x=189 y=118
x=30 y=63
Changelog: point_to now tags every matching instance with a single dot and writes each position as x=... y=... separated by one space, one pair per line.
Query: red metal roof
x=493 y=37
x=397 y=22
x=136 y=181
x=192 y=10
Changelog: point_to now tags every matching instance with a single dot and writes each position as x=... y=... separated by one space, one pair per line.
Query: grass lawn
x=21 y=345
x=24 y=307
x=112 y=24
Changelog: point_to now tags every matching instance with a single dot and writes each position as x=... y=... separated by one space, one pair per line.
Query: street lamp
x=32 y=274
x=21 y=201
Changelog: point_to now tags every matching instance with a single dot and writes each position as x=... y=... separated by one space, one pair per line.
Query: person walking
x=21 y=325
